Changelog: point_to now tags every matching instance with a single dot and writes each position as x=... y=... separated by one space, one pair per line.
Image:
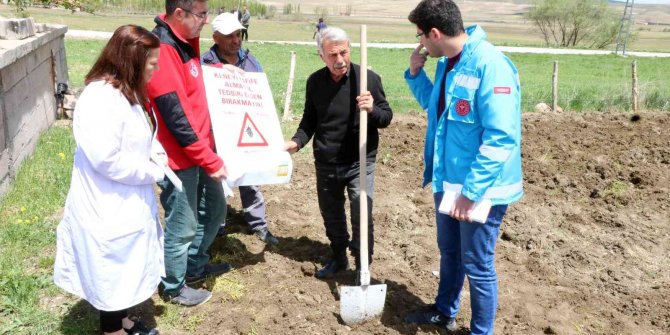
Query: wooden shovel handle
x=362 y=155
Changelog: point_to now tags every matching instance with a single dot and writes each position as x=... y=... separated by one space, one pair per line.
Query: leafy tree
x=570 y=23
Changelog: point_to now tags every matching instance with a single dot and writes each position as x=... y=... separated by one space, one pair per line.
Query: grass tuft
x=616 y=189
x=193 y=322
x=231 y=285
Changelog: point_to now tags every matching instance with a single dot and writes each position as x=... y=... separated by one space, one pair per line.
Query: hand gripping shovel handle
x=362 y=156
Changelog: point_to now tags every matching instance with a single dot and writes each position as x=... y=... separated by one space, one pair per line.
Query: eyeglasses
x=418 y=36
x=201 y=16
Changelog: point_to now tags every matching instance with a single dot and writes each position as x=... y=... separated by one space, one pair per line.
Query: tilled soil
x=584 y=252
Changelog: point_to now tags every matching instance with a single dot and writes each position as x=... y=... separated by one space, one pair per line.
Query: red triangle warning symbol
x=250 y=136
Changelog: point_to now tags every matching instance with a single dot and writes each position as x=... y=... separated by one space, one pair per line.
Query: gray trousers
x=253 y=206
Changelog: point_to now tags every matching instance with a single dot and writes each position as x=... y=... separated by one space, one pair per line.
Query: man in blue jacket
x=227 y=49
x=472 y=150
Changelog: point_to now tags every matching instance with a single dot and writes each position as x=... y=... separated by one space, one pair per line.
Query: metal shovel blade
x=361 y=303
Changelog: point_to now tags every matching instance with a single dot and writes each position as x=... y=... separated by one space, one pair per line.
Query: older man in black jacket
x=331 y=115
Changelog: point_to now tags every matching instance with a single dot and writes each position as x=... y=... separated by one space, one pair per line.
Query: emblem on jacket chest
x=462 y=107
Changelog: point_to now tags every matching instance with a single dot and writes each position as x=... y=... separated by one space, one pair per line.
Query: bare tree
x=569 y=23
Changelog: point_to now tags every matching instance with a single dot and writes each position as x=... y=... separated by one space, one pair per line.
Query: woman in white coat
x=110 y=242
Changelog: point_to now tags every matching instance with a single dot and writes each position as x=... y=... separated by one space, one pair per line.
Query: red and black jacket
x=177 y=94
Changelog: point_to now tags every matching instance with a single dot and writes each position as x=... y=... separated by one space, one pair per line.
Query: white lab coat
x=110 y=242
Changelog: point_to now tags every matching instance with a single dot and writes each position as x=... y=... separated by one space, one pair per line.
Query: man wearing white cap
x=227 y=49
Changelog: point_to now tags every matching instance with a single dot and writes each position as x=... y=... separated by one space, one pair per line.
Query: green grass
x=27 y=236
x=85 y=21
x=81 y=54
x=586 y=83
x=593 y=83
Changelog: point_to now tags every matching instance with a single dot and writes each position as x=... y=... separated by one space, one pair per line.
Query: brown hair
x=121 y=63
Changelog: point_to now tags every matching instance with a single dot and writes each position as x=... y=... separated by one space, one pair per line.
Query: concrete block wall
x=17 y=29
x=29 y=71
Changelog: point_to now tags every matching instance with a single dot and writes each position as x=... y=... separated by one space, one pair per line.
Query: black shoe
x=227 y=222
x=266 y=236
x=140 y=329
x=210 y=270
x=332 y=267
x=432 y=316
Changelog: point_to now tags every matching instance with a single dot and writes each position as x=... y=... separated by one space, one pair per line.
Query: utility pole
x=624 y=28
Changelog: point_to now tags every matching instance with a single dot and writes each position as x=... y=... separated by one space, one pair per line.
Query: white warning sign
x=246 y=127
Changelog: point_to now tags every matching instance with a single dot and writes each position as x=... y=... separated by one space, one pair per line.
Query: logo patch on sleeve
x=193 y=69
x=462 y=107
x=502 y=90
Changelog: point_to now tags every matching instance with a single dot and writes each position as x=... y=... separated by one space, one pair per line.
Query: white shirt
x=110 y=242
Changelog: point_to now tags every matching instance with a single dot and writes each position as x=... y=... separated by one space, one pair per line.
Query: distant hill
x=647 y=13
x=473 y=10
x=400 y=8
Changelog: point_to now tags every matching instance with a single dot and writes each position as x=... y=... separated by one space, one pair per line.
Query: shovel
x=364 y=302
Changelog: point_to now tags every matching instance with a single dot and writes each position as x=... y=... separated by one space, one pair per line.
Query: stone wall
x=29 y=71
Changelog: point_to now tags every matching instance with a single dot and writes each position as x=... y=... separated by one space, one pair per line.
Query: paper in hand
x=168 y=172
x=479 y=214
x=227 y=191
x=173 y=178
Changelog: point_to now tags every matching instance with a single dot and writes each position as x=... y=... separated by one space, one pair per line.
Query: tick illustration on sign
x=250 y=135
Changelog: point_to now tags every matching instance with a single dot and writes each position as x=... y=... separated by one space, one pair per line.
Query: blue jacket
x=475 y=146
x=246 y=61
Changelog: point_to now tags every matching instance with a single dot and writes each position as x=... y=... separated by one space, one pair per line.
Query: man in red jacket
x=177 y=95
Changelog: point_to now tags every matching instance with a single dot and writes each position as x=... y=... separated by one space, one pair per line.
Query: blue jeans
x=192 y=219
x=331 y=182
x=468 y=249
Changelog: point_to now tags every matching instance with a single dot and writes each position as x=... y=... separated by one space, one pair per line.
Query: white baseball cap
x=226 y=23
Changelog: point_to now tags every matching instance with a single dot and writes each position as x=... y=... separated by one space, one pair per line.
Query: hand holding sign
x=291 y=147
x=246 y=127
x=220 y=175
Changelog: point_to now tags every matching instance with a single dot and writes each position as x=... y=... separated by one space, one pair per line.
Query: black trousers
x=245 y=33
x=111 y=321
x=331 y=182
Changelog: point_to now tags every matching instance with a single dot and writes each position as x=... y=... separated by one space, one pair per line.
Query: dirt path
x=585 y=251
